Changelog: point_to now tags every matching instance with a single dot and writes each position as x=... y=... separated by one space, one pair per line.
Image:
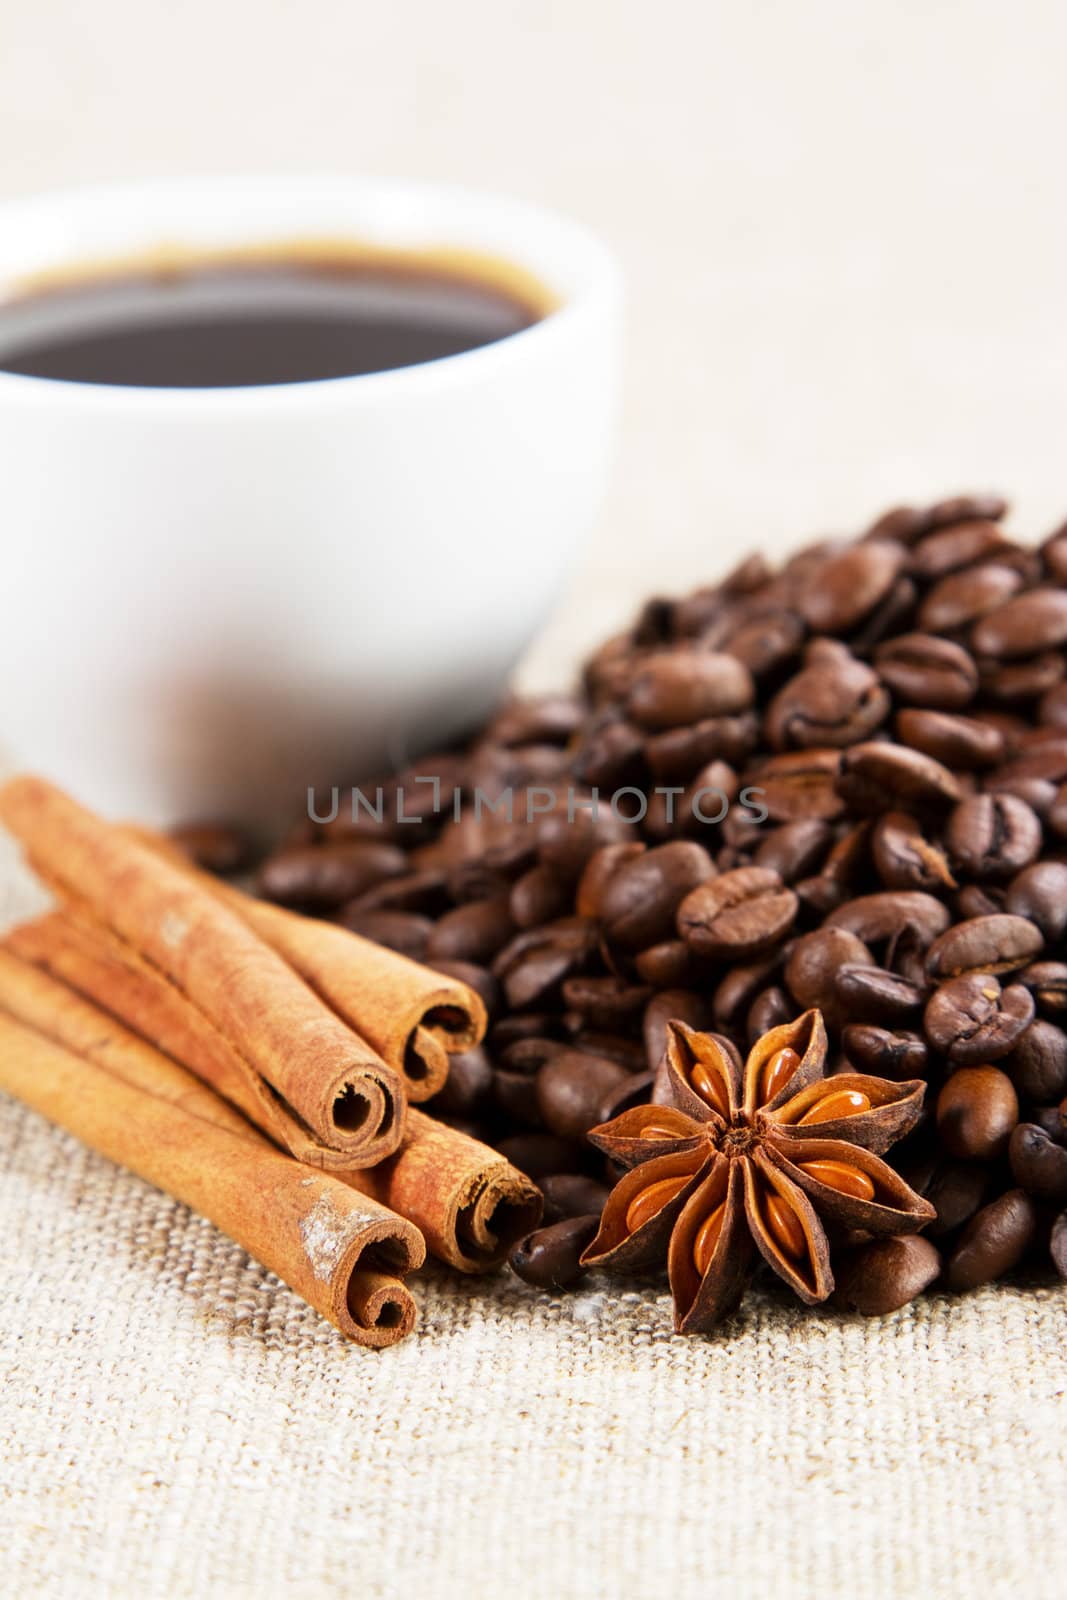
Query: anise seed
x=707 y=1238
x=658 y=1130
x=777 y=1071
x=709 y=1086
x=645 y=1205
x=840 y=1175
x=841 y=1103
x=783 y=1224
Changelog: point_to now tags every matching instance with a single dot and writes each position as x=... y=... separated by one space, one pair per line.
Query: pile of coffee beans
x=839 y=784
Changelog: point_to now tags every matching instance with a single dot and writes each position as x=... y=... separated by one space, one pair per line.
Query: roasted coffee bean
x=540 y=895
x=223 y=848
x=639 y=901
x=885 y=1054
x=542 y=719
x=674 y=689
x=811 y=970
x=957 y=1190
x=877 y=1278
x=964 y=544
x=514 y=1094
x=1051 y=1120
x=566 y=842
x=972 y=1020
x=984 y=944
x=963 y=743
x=1029 y=623
x=976 y=1112
x=1052 y=712
x=1039 y=893
x=771 y=1009
x=508 y=1030
x=551 y=1258
x=610 y=754
x=978 y=900
x=846 y=587
x=321 y=877
x=869 y=994
x=473 y=932
x=467 y=1088
x=607 y=1003
x=963 y=597
x=1039 y=1164
x=966 y=508
x=540 y=1155
x=572 y=1194
x=800 y=784
x=671 y=1005
x=740 y=986
x=599 y=871
x=1058 y=1244
x=674 y=756
x=1015 y=681
x=904 y=858
x=627 y=1053
x=993 y=1242
x=882 y=918
x=904 y=524
x=425 y=893
x=894 y=614
x=635 y=1090
x=766 y=644
x=827 y=705
x=669 y=965
x=992 y=836
x=1057 y=813
x=570 y=1088
x=1038 y=1064
x=738 y=915
x=1047 y=982
x=409 y=935
x=795 y=849
x=526 y=1056
x=878 y=777
x=534 y=964
x=923 y=670
x=480 y=979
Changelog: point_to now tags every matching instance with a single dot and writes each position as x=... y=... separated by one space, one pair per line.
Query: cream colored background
x=846 y=240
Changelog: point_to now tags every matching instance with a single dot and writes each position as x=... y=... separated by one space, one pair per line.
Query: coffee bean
x=323 y=876
x=609 y=754
x=409 y=935
x=540 y=895
x=992 y=836
x=676 y=689
x=795 y=849
x=674 y=756
x=904 y=858
x=1047 y=982
x=1017 y=681
x=811 y=970
x=539 y=1155
x=882 y=918
x=514 y=1095
x=672 y=1005
x=984 y=944
x=668 y=965
x=599 y=871
x=993 y=1242
x=638 y=903
x=964 y=544
x=607 y=1003
x=1039 y=1164
x=550 y=1258
x=1023 y=626
x=972 y=1020
x=976 y=1112
x=898 y=1055
x=766 y=644
x=771 y=1009
x=957 y=1190
x=800 y=784
x=1058 y=1244
x=846 y=587
x=966 y=508
x=827 y=705
x=425 y=893
x=467 y=1088
x=533 y=965
x=869 y=994
x=625 y=1052
x=885 y=1275
x=877 y=777
x=477 y=978
x=923 y=670
x=1039 y=893
x=964 y=743
x=570 y=1088
x=636 y=1090
x=473 y=932
x=572 y=1194
x=1038 y=1063
x=738 y=915
x=963 y=597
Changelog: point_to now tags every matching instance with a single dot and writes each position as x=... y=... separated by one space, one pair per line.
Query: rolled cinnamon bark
x=335 y=1102
x=414 y=1017
x=338 y=1249
x=468 y=1202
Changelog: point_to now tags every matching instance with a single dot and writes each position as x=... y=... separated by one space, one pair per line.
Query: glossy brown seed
x=223 y=848
x=599 y=871
x=847 y=586
x=707 y=1237
x=802 y=783
x=737 y=915
x=572 y=1194
x=1058 y=1244
x=403 y=931
x=1039 y=893
x=676 y=689
x=570 y=1087
x=1029 y=623
x=962 y=743
x=1039 y=1164
x=473 y=932
x=957 y=1190
x=651 y=1200
x=827 y=705
x=897 y=1055
x=878 y=777
x=840 y=1103
x=539 y=1154
x=323 y=876
x=638 y=903
x=1038 y=1063
x=812 y=967
x=905 y=858
x=709 y=1086
x=993 y=1243
x=992 y=836
x=551 y=1258
x=776 y=1073
x=885 y=1275
x=976 y=1112
x=961 y=545
x=963 y=597
x=923 y=670
x=842 y=1176
x=973 y=1020
x=993 y=944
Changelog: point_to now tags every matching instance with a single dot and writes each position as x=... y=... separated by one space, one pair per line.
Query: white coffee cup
x=215 y=599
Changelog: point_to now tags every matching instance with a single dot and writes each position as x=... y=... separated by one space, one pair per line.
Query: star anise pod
x=731 y=1161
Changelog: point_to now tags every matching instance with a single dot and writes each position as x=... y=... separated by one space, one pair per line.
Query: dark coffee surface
x=246 y=324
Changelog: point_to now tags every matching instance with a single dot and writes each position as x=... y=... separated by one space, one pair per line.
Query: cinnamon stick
x=340 y=1250
x=414 y=1017
x=337 y=1104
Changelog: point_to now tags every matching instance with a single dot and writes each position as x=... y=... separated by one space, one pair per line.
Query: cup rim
x=584 y=273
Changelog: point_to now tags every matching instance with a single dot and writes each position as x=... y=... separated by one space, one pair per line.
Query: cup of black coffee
x=292 y=471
